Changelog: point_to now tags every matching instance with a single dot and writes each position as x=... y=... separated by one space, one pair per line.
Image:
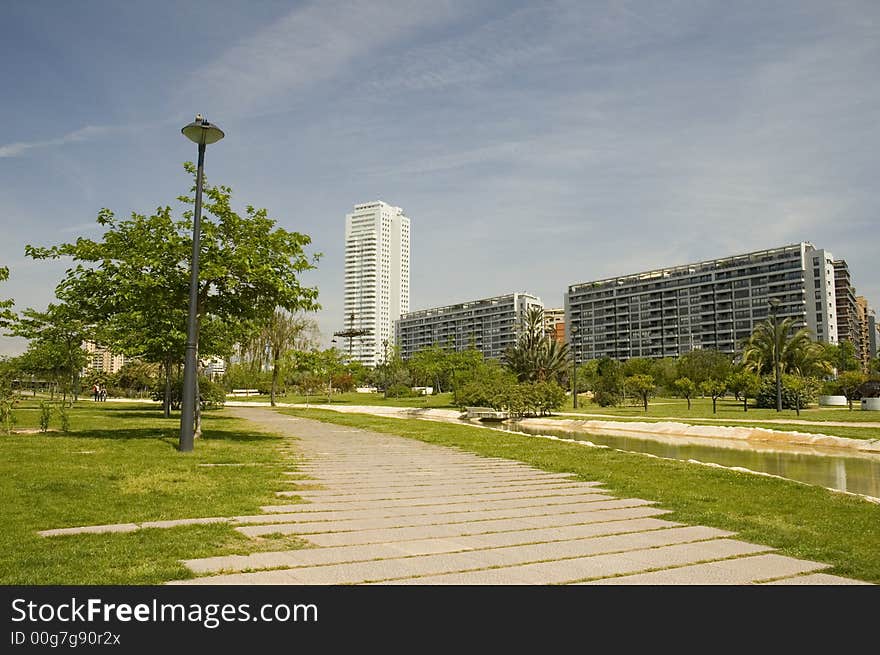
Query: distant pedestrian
x=103 y=393
x=95 y=391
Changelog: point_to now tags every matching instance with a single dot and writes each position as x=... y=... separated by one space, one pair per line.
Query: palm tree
x=797 y=352
x=536 y=356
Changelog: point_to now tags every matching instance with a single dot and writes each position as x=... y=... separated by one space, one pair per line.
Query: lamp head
x=202 y=132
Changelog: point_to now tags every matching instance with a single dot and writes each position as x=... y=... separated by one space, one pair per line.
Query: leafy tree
x=432 y=366
x=849 y=382
x=6 y=313
x=282 y=332
x=842 y=356
x=686 y=388
x=703 y=365
x=56 y=337
x=608 y=386
x=715 y=389
x=642 y=386
x=135 y=279
x=744 y=384
x=664 y=371
x=536 y=356
x=797 y=391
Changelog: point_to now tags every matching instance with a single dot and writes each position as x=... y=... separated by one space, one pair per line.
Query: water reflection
x=857 y=474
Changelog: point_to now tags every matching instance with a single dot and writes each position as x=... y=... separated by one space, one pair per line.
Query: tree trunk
x=198 y=413
x=274 y=380
x=689 y=403
x=166 y=403
x=713 y=404
x=745 y=403
x=645 y=398
x=797 y=404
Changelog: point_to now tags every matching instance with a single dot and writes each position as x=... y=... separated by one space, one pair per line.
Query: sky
x=533 y=145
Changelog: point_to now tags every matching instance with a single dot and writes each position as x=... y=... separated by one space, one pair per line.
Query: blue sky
x=532 y=144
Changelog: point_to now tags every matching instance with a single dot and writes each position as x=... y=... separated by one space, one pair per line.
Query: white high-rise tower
x=376 y=278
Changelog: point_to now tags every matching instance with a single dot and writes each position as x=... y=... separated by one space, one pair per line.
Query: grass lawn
x=120 y=464
x=727 y=408
x=438 y=401
x=801 y=521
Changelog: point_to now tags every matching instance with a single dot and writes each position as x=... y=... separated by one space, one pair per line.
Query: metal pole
x=187 y=413
x=777 y=343
x=574 y=367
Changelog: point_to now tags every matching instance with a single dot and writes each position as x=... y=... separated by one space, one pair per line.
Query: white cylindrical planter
x=832 y=401
x=872 y=404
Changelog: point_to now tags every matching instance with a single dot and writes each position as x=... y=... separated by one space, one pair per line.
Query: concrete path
x=391 y=510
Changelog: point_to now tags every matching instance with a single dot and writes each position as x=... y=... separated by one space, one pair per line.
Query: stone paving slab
x=335 y=515
x=573 y=570
x=524 y=513
x=430 y=491
x=728 y=572
x=474 y=528
x=455 y=499
x=403 y=567
x=340 y=554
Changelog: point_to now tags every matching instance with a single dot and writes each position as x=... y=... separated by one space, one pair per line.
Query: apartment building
x=490 y=325
x=712 y=304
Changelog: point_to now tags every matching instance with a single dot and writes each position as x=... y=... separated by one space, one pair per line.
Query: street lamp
x=774 y=309
x=574 y=368
x=201 y=132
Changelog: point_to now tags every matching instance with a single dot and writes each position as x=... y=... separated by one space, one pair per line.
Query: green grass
x=120 y=464
x=801 y=521
x=727 y=408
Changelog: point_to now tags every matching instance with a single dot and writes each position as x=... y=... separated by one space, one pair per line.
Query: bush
x=45 y=415
x=211 y=394
x=400 y=391
x=605 y=398
x=795 y=391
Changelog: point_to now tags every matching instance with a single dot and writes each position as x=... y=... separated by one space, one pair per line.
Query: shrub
x=400 y=391
x=605 y=398
x=795 y=392
x=65 y=417
x=45 y=415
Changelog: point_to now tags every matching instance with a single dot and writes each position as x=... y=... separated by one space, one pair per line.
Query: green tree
x=6 y=313
x=608 y=386
x=282 y=332
x=849 y=382
x=431 y=366
x=686 y=388
x=134 y=281
x=702 y=365
x=642 y=386
x=744 y=384
x=842 y=356
x=56 y=337
x=536 y=357
x=715 y=389
x=792 y=346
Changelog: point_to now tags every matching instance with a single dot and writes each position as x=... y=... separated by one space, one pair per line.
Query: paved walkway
x=397 y=511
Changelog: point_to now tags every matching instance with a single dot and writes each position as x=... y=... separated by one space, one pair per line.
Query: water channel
x=855 y=473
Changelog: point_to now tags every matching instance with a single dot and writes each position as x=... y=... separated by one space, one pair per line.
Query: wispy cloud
x=82 y=134
x=312 y=43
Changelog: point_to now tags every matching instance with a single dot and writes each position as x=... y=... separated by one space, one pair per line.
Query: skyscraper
x=376 y=278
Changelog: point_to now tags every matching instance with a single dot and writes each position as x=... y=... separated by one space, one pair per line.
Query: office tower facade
x=712 y=304
x=377 y=249
x=102 y=359
x=490 y=325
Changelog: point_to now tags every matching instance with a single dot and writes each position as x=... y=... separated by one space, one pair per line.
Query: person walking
x=95 y=391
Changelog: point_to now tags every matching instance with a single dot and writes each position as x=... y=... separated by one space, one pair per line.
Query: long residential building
x=102 y=359
x=490 y=325
x=713 y=304
x=377 y=266
x=848 y=315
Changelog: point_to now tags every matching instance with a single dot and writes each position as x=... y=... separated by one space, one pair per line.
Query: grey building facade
x=489 y=324
x=712 y=304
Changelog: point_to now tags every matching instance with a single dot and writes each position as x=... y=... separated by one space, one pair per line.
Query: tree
x=744 y=384
x=715 y=389
x=642 y=386
x=608 y=386
x=686 y=388
x=536 y=357
x=849 y=382
x=842 y=356
x=281 y=333
x=134 y=281
x=794 y=348
x=6 y=313
x=56 y=337
x=703 y=365
x=431 y=366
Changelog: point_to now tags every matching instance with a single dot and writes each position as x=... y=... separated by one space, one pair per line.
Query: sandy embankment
x=667 y=431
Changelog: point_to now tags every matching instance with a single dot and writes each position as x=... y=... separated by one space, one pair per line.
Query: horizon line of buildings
x=665 y=312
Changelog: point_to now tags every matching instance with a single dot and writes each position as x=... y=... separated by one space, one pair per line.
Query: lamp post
x=774 y=309
x=201 y=132
x=574 y=369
